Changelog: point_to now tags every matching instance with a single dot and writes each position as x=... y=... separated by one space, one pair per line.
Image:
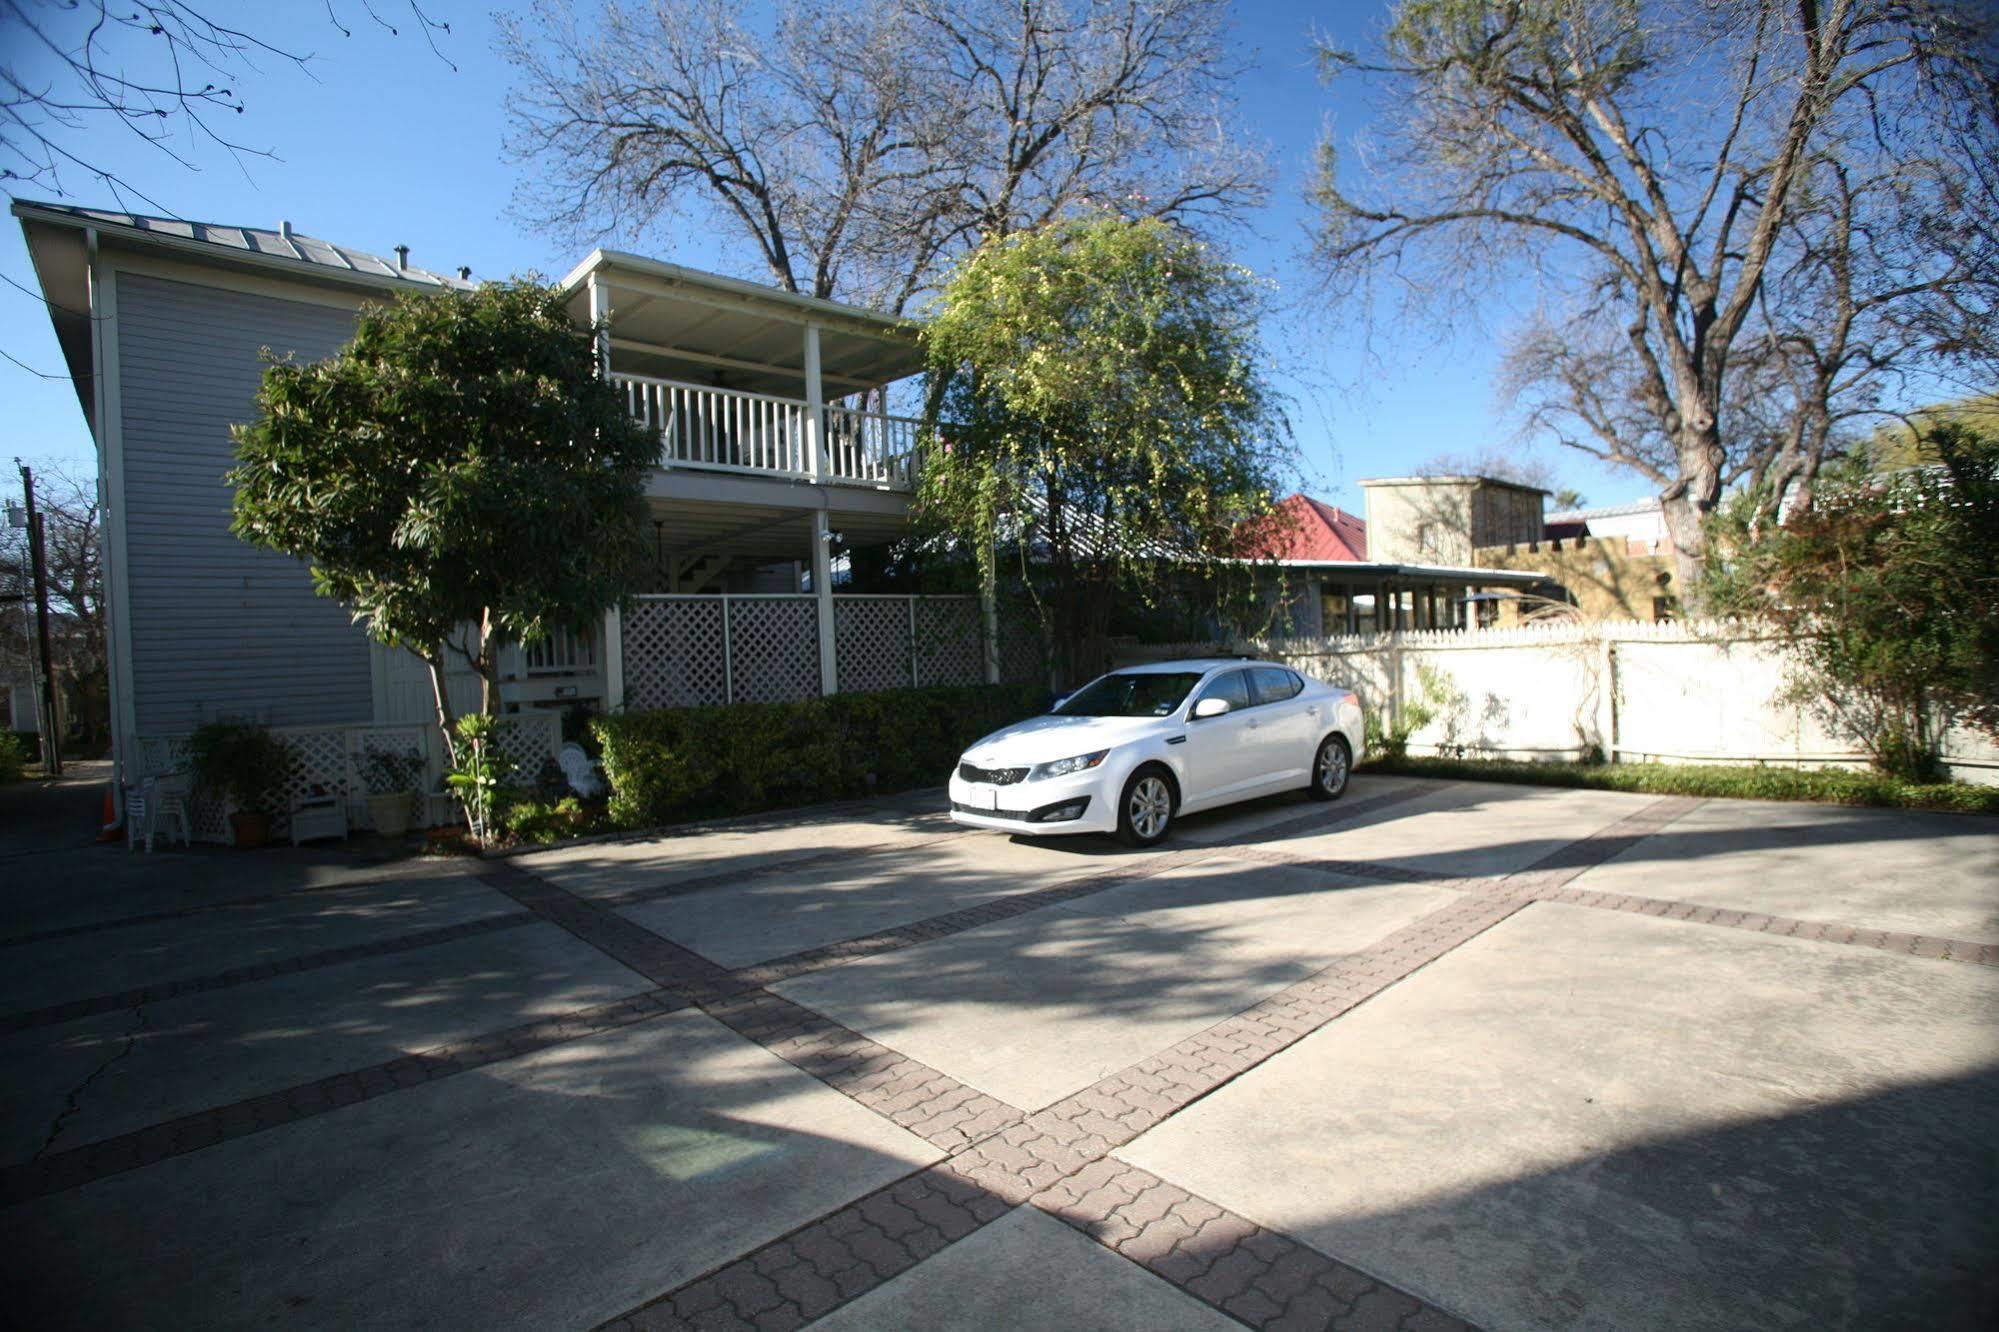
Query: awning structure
x=677 y=323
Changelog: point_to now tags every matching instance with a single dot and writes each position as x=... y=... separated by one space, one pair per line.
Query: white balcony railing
x=733 y=431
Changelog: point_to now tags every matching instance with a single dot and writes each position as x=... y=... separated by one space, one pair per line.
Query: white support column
x=815 y=409
x=822 y=593
x=614 y=660
x=600 y=315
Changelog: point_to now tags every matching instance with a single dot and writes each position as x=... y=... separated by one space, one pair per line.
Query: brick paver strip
x=931 y=1104
x=175 y=1137
x=811 y=1271
x=395 y=871
x=1255 y=1275
x=285 y=966
x=1940 y=947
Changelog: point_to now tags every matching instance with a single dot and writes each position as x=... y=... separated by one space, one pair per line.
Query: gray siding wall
x=218 y=627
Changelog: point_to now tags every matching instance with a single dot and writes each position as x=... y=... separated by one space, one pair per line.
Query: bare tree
x=160 y=70
x=858 y=148
x=71 y=525
x=1647 y=161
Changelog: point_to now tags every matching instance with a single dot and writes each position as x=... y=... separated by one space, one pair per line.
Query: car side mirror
x=1210 y=707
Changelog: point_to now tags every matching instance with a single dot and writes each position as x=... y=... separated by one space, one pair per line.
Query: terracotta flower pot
x=249 y=828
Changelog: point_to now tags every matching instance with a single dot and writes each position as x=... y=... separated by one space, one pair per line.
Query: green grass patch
x=1828 y=786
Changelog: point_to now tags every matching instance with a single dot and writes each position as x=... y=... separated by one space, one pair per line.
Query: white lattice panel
x=773 y=649
x=871 y=643
x=528 y=739
x=1022 y=660
x=674 y=653
x=950 y=643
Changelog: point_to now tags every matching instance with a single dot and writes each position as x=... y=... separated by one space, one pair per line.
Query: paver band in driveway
x=920 y=1098
x=190 y=1133
x=1255 y=1275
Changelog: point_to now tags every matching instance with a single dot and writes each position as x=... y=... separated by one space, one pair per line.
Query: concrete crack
x=74 y=1101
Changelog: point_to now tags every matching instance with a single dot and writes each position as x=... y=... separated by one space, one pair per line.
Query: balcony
x=761 y=434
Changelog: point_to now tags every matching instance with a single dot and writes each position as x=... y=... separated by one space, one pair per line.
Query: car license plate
x=991 y=795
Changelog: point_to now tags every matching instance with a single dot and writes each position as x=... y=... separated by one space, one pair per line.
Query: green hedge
x=13 y=756
x=1830 y=786
x=675 y=764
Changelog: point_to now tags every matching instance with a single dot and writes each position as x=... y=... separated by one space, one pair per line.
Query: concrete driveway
x=1437 y=1054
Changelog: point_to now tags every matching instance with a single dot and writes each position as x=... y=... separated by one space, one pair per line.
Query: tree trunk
x=446 y=722
x=1686 y=505
x=489 y=665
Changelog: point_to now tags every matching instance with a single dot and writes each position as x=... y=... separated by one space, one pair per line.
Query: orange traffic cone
x=114 y=827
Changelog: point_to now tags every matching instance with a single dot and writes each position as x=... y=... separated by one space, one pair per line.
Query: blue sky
x=386 y=144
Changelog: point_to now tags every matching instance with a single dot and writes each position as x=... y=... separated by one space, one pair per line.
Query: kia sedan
x=1131 y=751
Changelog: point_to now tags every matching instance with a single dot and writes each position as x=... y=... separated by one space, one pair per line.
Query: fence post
x=1607 y=703
x=614 y=660
x=914 y=682
x=1394 y=719
x=822 y=595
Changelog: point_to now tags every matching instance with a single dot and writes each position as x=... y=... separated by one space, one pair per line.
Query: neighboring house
x=1613 y=563
x=1443 y=519
x=768 y=457
x=1337 y=579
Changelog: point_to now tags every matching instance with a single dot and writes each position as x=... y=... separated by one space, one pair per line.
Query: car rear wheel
x=1331 y=769
x=1145 y=811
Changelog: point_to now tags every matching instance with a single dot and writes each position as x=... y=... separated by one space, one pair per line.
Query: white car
x=1132 y=750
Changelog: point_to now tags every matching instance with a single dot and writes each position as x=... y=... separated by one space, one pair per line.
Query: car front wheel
x=1145 y=811
x=1331 y=769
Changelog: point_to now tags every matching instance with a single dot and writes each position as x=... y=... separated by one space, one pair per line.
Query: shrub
x=1832 y=786
x=238 y=760
x=537 y=821
x=13 y=757
x=681 y=763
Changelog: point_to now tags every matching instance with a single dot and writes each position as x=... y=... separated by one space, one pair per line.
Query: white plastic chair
x=152 y=802
x=319 y=814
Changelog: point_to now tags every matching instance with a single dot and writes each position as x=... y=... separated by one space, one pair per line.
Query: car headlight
x=1064 y=767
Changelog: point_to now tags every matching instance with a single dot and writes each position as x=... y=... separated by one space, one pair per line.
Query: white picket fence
x=331 y=759
x=1635 y=692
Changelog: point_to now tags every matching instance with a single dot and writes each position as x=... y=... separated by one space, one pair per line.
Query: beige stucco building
x=1443 y=519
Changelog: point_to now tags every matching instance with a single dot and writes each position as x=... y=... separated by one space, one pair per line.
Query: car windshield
x=1131 y=694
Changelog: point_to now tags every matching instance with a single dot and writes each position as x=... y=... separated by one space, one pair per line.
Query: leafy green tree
x=1108 y=417
x=458 y=476
x=1888 y=589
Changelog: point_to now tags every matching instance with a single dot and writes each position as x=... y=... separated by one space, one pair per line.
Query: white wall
x=1679 y=693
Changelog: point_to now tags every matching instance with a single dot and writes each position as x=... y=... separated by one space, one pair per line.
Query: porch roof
x=680 y=323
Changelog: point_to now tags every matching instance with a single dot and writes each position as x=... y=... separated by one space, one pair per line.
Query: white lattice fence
x=330 y=759
x=676 y=652
x=871 y=642
x=949 y=645
x=773 y=649
x=687 y=651
x=1022 y=659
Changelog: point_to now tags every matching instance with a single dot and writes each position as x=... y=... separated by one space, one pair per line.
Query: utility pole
x=46 y=696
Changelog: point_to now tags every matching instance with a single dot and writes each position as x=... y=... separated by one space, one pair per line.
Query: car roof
x=1190 y=664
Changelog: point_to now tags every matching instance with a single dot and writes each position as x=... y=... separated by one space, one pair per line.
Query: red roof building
x=1306 y=529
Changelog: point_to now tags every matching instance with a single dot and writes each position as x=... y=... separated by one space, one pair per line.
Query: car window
x=1130 y=694
x=1233 y=686
x=1274 y=685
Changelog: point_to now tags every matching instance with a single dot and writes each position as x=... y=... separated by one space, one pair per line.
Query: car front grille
x=994 y=776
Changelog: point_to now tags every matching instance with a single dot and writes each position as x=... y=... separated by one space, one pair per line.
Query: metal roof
x=259 y=243
x=1650 y=504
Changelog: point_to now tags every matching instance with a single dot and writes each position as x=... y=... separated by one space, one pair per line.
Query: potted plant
x=391 y=779
x=239 y=762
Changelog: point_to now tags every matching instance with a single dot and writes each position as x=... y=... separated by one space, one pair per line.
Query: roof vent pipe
x=285 y=230
x=402 y=258
x=464 y=272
